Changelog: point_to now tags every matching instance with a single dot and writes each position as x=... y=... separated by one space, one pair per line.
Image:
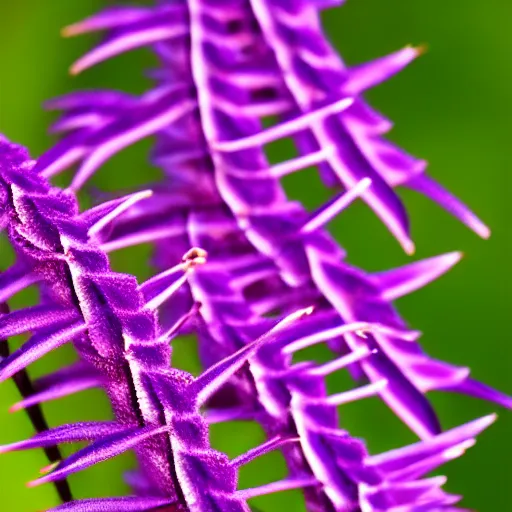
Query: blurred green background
x=453 y=107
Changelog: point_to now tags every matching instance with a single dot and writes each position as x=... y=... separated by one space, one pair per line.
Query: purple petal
x=13 y=280
x=206 y=384
x=125 y=504
x=34 y=318
x=398 y=459
x=428 y=187
x=66 y=434
x=401 y=281
x=370 y=74
x=106 y=448
x=38 y=346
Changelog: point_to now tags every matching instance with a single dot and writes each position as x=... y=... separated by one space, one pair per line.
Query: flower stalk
x=254 y=275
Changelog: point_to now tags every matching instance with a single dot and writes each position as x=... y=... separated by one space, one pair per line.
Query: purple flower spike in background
x=206 y=110
x=253 y=275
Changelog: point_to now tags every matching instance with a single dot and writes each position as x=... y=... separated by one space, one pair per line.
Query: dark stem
x=35 y=413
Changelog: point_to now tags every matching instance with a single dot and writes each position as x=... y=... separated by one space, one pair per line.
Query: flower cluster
x=255 y=276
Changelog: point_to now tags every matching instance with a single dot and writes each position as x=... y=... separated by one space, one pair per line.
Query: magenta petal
x=107 y=447
x=125 y=504
x=66 y=434
x=36 y=347
x=36 y=317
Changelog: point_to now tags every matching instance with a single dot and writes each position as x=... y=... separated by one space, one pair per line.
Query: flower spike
x=260 y=280
x=119 y=337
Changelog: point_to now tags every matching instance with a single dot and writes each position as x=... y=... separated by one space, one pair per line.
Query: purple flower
x=226 y=67
x=206 y=111
x=248 y=60
x=112 y=323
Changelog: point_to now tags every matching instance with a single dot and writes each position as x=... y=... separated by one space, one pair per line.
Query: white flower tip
x=409 y=247
x=483 y=231
x=48 y=469
x=194 y=257
x=457 y=451
x=144 y=194
x=346 y=103
x=454 y=257
x=15 y=407
x=405 y=335
x=301 y=312
x=292 y=317
x=489 y=420
x=419 y=50
x=71 y=30
x=6 y=448
x=411 y=335
x=77 y=29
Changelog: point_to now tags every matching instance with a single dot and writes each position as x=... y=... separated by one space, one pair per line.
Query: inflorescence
x=255 y=276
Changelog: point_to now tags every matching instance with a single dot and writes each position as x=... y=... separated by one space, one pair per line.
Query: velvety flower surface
x=112 y=323
x=235 y=76
x=113 y=326
x=206 y=110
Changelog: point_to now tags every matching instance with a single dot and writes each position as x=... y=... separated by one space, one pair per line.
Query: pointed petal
x=105 y=448
x=270 y=445
x=113 y=145
x=359 y=328
x=401 y=281
x=108 y=19
x=129 y=40
x=36 y=347
x=74 y=432
x=332 y=208
x=409 y=494
x=284 y=168
x=102 y=100
x=213 y=416
x=142 y=236
x=284 y=129
x=124 y=504
x=178 y=325
x=373 y=73
x=402 y=396
x=178 y=279
x=402 y=457
x=429 y=374
x=356 y=394
x=341 y=362
x=428 y=187
x=62 y=155
x=58 y=390
x=476 y=389
x=281 y=485
x=13 y=280
x=427 y=465
x=33 y=318
x=207 y=383
x=109 y=211
x=74 y=371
